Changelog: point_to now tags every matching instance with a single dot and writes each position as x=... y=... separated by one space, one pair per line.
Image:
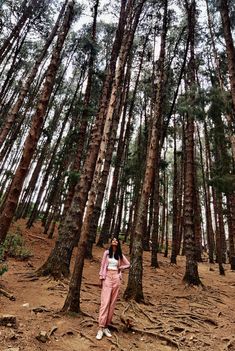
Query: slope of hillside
x=174 y=316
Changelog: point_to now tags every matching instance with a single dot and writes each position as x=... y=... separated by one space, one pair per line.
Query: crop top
x=112 y=264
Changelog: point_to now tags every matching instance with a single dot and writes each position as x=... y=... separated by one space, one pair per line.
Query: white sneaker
x=99 y=334
x=106 y=332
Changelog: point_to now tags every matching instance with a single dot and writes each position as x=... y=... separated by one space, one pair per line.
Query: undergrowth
x=13 y=246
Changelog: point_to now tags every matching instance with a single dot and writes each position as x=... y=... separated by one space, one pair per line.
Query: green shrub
x=14 y=246
x=3 y=266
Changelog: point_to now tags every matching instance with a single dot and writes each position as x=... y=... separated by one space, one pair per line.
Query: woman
x=112 y=265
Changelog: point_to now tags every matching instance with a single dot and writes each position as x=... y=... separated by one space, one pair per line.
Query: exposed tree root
x=129 y=324
x=88 y=322
x=230 y=345
x=116 y=343
x=30 y=276
x=162 y=337
x=152 y=320
x=86 y=337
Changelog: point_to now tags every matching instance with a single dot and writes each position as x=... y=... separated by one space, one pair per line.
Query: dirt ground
x=174 y=316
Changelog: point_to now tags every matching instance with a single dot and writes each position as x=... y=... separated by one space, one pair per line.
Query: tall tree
x=134 y=288
x=83 y=125
x=191 y=273
x=230 y=49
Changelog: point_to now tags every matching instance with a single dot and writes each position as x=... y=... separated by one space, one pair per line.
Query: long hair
x=118 y=252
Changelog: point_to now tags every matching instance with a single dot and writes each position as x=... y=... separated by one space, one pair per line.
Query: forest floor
x=174 y=317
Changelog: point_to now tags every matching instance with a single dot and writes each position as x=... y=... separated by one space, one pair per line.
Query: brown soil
x=174 y=316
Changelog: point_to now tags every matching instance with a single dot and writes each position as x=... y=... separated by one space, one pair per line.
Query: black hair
x=118 y=252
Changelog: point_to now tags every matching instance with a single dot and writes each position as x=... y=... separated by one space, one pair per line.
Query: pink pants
x=109 y=295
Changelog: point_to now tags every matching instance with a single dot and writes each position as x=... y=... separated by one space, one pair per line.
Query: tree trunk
x=167 y=219
x=231 y=229
x=35 y=130
x=175 y=200
x=85 y=114
x=218 y=235
x=191 y=273
x=117 y=227
x=197 y=220
x=108 y=159
x=105 y=230
x=134 y=288
x=209 y=227
x=224 y=11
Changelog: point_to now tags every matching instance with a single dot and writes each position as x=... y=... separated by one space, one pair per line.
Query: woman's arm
x=124 y=263
x=103 y=265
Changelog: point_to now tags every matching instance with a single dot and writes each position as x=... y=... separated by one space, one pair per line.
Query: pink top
x=122 y=264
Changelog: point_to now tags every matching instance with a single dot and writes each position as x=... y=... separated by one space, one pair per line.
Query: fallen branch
x=93 y=284
x=7 y=294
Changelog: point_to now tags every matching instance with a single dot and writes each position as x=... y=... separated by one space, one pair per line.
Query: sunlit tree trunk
x=204 y=170
x=176 y=201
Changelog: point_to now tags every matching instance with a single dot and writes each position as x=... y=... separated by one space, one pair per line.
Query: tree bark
x=209 y=227
x=105 y=230
x=226 y=22
x=85 y=114
x=108 y=159
x=134 y=288
x=176 y=199
x=191 y=275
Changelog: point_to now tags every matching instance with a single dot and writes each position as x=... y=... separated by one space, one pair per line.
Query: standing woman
x=112 y=265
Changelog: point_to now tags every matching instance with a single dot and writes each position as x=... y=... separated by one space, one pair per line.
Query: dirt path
x=174 y=317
